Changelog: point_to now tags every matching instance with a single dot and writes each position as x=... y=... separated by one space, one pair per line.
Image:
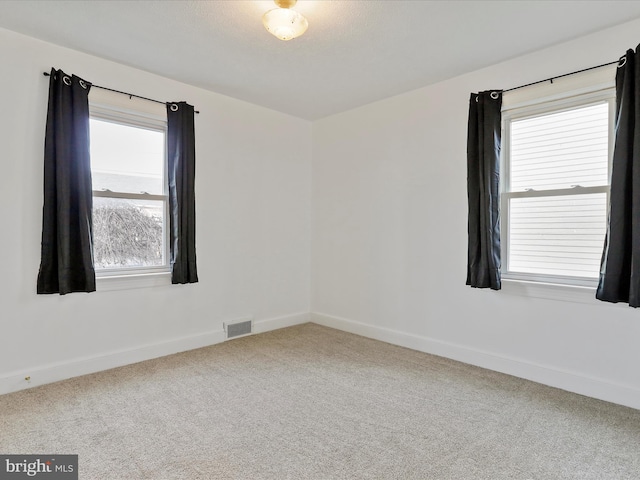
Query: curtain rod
x=551 y=79
x=47 y=74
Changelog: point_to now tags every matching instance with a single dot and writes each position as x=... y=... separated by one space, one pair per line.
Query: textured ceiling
x=354 y=52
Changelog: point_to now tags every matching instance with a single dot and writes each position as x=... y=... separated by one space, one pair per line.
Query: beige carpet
x=309 y=402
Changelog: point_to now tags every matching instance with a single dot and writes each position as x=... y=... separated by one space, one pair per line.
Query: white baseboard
x=261 y=326
x=566 y=380
x=547 y=375
x=42 y=375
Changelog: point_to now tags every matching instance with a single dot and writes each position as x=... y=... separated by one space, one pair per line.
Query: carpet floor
x=310 y=402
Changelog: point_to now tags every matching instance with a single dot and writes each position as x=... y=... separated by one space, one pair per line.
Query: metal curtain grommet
x=66 y=80
x=82 y=84
x=174 y=107
x=477 y=97
x=622 y=62
x=495 y=95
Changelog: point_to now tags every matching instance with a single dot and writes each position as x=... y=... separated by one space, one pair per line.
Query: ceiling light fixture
x=283 y=22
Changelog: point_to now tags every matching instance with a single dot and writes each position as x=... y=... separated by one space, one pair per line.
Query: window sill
x=107 y=283
x=550 y=291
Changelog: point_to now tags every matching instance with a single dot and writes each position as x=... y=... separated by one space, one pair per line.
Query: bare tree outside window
x=126 y=235
x=129 y=198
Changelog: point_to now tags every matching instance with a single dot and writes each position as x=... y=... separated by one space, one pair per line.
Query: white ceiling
x=355 y=51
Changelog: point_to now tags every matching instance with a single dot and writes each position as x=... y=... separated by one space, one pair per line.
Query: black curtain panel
x=66 y=263
x=182 y=201
x=620 y=267
x=483 y=189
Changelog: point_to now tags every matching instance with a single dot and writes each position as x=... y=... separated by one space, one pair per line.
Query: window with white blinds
x=555 y=188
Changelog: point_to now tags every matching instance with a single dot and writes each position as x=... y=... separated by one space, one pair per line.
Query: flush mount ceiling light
x=283 y=22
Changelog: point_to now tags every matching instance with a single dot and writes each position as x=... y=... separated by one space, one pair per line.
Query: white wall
x=252 y=203
x=389 y=239
x=388 y=234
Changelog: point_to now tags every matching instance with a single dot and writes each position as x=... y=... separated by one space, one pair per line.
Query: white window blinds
x=562 y=149
x=557 y=235
x=556 y=190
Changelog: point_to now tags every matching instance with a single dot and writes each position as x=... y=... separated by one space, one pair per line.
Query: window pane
x=126 y=159
x=127 y=233
x=561 y=149
x=559 y=235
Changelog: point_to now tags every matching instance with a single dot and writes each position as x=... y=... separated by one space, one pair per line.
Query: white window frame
x=127 y=277
x=552 y=102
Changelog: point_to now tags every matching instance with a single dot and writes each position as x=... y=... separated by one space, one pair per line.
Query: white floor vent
x=238 y=328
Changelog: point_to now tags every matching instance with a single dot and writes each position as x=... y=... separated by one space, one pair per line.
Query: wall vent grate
x=238 y=329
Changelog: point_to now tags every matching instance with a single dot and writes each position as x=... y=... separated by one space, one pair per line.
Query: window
x=128 y=167
x=556 y=162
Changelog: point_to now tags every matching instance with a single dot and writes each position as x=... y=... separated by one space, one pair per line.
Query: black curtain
x=182 y=204
x=483 y=189
x=66 y=263
x=620 y=267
